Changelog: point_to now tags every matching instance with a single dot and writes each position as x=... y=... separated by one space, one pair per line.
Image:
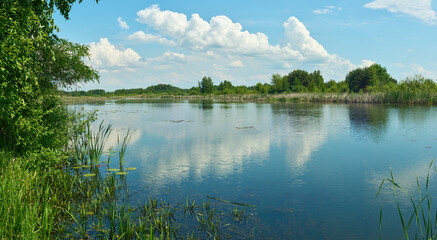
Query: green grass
x=31 y=201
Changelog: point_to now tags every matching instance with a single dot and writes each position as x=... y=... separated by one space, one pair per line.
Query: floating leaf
x=89 y=213
x=131 y=168
x=123 y=162
x=245 y=127
x=86 y=166
x=77 y=167
x=121 y=173
x=113 y=170
x=176 y=121
x=89 y=175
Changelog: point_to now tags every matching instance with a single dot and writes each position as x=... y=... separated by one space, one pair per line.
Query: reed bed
x=391 y=97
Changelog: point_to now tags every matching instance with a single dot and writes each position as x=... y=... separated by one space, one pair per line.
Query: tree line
x=371 y=79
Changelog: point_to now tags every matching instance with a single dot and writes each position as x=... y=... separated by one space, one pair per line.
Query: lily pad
x=131 y=168
x=77 y=167
x=121 y=173
x=113 y=170
x=89 y=175
x=86 y=166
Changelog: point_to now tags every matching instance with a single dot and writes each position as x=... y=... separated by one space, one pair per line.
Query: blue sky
x=135 y=44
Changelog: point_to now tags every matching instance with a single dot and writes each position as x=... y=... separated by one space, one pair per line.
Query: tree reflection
x=368 y=119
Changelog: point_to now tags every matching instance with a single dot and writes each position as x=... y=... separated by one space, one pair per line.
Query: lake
x=312 y=170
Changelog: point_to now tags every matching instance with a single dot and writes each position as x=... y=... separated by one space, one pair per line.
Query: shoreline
x=395 y=98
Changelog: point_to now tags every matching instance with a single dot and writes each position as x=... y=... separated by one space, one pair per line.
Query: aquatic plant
x=96 y=141
x=422 y=220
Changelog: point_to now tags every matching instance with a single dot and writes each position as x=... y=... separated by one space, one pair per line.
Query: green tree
x=315 y=82
x=357 y=80
x=279 y=84
x=369 y=79
x=298 y=80
x=206 y=85
x=225 y=87
x=34 y=63
x=262 y=88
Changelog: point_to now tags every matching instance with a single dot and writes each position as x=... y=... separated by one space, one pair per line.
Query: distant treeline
x=372 y=79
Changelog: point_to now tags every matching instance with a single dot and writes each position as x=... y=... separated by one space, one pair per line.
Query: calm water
x=312 y=170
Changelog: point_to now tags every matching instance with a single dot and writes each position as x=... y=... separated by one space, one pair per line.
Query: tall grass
x=31 y=201
x=96 y=141
x=388 y=97
x=420 y=221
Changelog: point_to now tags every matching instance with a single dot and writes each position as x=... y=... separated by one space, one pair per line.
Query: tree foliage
x=369 y=79
x=206 y=85
x=34 y=62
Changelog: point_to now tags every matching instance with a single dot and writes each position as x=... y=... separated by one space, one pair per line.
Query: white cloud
x=327 y=10
x=322 y=11
x=122 y=23
x=174 y=56
x=236 y=64
x=299 y=39
x=104 y=54
x=143 y=37
x=219 y=48
x=224 y=36
x=420 y=9
x=419 y=69
x=366 y=63
x=220 y=33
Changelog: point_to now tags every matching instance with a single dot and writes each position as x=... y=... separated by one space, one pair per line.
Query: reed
x=82 y=201
x=421 y=222
x=96 y=141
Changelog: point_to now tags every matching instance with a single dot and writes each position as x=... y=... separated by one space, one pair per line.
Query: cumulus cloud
x=366 y=63
x=105 y=54
x=420 y=9
x=122 y=23
x=219 y=48
x=220 y=36
x=219 y=33
x=140 y=36
x=223 y=35
x=236 y=64
x=174 y=56
x=299 y=39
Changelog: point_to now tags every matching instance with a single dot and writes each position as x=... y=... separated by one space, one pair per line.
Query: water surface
x=312 y=170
